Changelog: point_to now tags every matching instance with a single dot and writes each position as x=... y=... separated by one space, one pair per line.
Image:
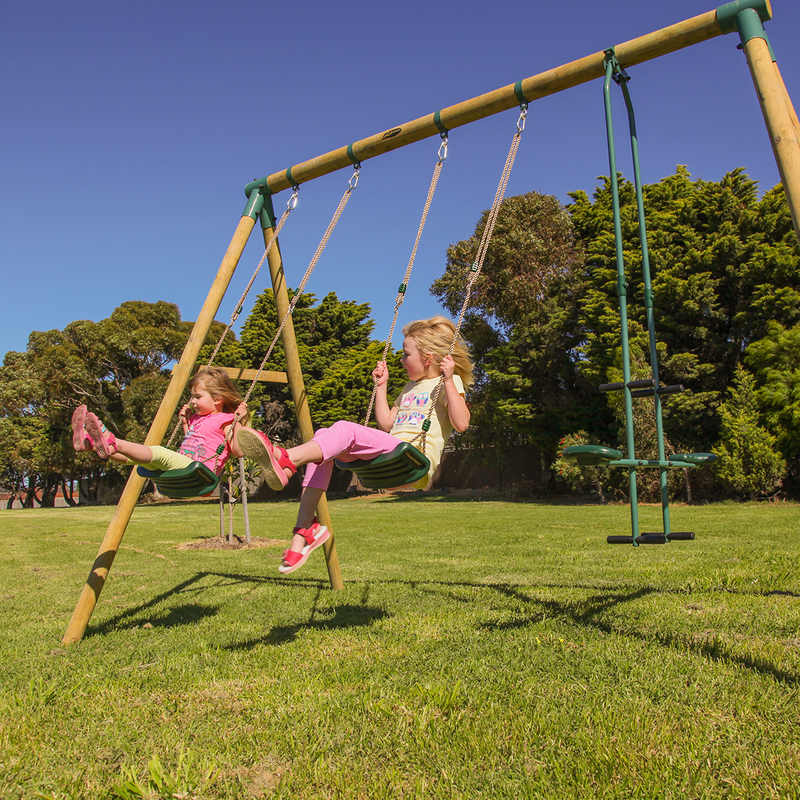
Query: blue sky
x=130 y=130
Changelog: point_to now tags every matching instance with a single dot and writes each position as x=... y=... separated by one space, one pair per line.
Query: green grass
x=478 y=650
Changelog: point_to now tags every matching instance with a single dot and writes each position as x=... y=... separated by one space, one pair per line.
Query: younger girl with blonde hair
x=209 y=420
x=428 y=360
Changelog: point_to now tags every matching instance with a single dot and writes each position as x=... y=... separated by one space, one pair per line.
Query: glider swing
x=598 y=455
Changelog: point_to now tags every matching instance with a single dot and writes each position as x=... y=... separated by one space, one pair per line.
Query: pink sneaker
x=315 y=535
x=80 y=438
x=102 y=439
x=270 y=457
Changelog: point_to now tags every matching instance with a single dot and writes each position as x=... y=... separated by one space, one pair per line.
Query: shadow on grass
x=347 y=616
x=584 y=613
x=458 y=496
x=188 y=613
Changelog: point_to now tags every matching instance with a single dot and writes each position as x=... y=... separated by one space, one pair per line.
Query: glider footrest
x=652 y=538
x=696 y=459
x=590 y=455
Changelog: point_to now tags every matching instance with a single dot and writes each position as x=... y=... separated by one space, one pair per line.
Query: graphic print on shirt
x=193 y=445
x=411 y=411
x=205 y=439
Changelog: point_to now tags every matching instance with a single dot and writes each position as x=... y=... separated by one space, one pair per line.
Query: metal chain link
x=477 y=265
x=237 y=310
x=351 y=185
x=441 y=156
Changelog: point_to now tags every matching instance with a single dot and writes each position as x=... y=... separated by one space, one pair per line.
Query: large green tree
x=774 y=360
x=724 y=264
x=118 y=367
x=749 y=463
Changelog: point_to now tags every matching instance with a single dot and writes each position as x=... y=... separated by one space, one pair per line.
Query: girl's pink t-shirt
x=204 y=437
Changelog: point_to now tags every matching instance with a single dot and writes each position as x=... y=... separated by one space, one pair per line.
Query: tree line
x=543 y=327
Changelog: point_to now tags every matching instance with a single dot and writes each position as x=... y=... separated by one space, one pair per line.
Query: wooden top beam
x=643 y=48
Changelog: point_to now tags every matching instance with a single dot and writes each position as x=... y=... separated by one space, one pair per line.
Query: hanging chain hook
x=442 y=154
x=353 y=182
x=291 y=204
x=523 y=116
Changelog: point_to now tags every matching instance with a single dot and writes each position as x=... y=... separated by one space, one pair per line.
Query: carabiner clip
x=442 y=154
x=523 y=116
x=353 y=182
x=292 y=202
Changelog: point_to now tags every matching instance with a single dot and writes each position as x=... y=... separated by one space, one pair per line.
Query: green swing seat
x=590 y=455
x=404 y=465
x=195 y=480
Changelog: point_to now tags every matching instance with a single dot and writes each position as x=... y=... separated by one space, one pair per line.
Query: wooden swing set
x=743 y=16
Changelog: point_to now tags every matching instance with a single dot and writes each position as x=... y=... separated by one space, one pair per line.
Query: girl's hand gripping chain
x=183 y=414
x=380 y=374
x=447 y=367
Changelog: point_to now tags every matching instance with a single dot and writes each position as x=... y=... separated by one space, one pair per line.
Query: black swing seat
x=404 y=465
x=195 y=480
x=590 y=455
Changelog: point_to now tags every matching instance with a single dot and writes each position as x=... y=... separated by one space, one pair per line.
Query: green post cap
x=745 y=16
x=255 y=192
x=256 y=183
x=255 y=202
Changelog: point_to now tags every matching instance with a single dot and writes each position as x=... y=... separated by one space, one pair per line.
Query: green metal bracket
x=727 y=15
x=254 y=205
x=351 y=154
x=750 y=26
x=747 y=17
x=256 y=183
x=268 y=213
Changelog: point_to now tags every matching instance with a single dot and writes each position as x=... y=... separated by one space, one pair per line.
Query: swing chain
x=301 y=287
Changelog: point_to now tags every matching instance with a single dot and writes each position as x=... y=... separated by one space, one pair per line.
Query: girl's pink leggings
x=347 y=441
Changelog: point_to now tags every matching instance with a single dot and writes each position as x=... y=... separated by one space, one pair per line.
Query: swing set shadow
x=584 y=613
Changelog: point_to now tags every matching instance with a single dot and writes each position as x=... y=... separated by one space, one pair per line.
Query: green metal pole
x=622 y=78
x=622 y=292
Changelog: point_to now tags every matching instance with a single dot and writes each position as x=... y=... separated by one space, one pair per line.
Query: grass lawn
x=480 y=649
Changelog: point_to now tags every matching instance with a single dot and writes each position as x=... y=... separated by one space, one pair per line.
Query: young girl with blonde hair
x=428 y=361
x=209 y=419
